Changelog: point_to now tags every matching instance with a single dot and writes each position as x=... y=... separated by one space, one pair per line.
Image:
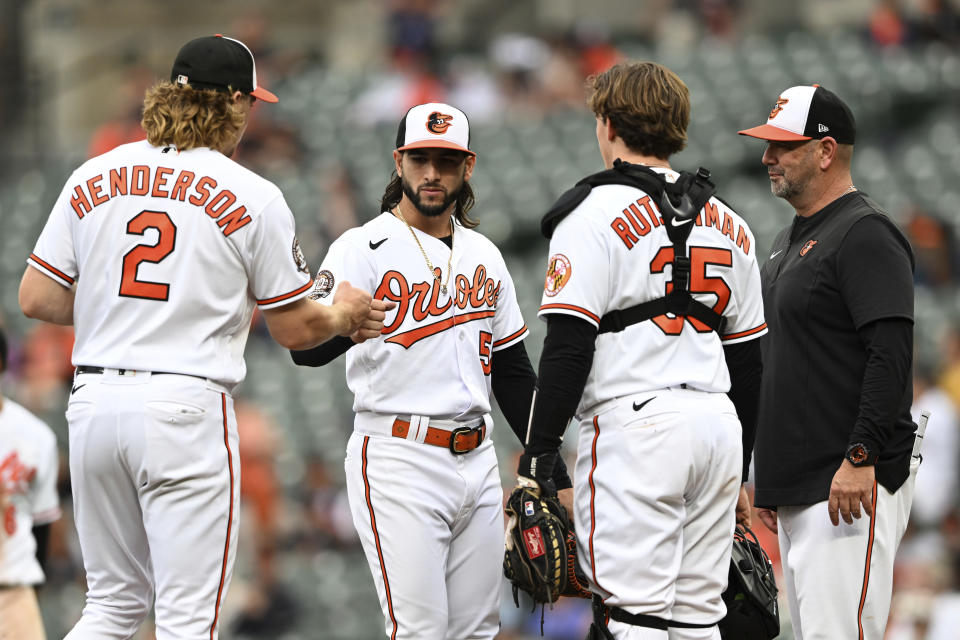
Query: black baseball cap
x=805 y=113
x=221 y=63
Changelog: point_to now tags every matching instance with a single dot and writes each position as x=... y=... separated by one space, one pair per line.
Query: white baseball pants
x=656 y=489
x=156 y=489
x=432 y=526
x=839 y=580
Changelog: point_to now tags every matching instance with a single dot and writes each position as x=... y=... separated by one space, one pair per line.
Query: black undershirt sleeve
x=564 y=367
x=324 y=353
x=745 y=364
x=41 y=533
x=513 y=379
x=889 y=346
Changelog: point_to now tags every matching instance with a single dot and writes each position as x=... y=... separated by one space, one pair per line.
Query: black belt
x=87 y=369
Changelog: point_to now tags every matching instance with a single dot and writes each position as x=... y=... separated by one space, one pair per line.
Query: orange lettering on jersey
x=622 y=230
x=96 y=194
x=203 y=191
x=727 y=229
x=179 y=190
x=219 y=204
x=15 y=476
x=711 y=215
x=139 y=180
x=650 y=208
x=636 y=219
x=480 y=294
x=118 y=182
x=79 y=200
x=159 y=181
x=743 y=241
x=421 y=300
x=234 y=220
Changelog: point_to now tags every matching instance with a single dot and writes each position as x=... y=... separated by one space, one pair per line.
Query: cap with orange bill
x=221 y=63
x=806 y=113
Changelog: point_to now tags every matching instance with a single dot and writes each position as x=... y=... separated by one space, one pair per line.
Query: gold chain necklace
x=433 y=270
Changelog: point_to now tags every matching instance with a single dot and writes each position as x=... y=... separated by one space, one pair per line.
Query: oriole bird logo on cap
x=438 y=122
x=778 y=108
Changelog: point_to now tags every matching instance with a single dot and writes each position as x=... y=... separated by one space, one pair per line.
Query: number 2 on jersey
x=700 y=282
x=130 y=286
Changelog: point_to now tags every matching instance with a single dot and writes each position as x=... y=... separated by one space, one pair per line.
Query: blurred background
x=72 y=77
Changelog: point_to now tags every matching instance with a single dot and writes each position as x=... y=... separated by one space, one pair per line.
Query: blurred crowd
x=288 y=523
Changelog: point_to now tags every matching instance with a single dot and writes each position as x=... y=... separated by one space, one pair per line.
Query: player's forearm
x=304 y=324
x=745 y=365
x=512 y=380
x=889 y=346
x=564 y=367
x=42 y=298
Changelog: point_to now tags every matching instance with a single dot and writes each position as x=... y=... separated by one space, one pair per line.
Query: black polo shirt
x=827 y=278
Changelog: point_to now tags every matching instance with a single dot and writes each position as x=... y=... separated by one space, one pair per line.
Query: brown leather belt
x=459 y=441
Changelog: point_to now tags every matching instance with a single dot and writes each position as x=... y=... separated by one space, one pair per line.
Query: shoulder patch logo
x=438 y=123
x=559 y=271
x=777 y=108
x=298 y=258
x=806 y=248
x=322 y=286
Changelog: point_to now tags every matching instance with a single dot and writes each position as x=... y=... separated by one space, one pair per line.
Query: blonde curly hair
x=185 y=118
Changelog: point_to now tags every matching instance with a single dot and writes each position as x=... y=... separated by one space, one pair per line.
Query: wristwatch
x=860 y=456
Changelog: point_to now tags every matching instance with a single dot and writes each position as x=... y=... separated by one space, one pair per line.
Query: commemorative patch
x=298 y=258
x=559 y=271
x=322 y=286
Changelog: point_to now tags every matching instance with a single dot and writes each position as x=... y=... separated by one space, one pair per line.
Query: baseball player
x=29 y=503
x=157 y=253
x=835 y=433
x=421 y=469
x=660 y=387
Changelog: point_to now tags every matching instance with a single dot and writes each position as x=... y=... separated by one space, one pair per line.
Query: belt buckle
x=461 y=431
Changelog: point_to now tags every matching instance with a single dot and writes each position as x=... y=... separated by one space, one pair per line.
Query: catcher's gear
x=541 y=548
x=751 y=595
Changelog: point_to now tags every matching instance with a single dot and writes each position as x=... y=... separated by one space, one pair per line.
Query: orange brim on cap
x=434 y=144
x=262 y=94
x=769 y=132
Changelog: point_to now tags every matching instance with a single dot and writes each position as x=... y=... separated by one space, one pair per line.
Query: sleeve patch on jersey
x=558 y=274
x=298 y=258
x=322 y=286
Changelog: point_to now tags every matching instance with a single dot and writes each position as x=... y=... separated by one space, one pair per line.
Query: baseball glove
x=751 y=595
x=541 y=548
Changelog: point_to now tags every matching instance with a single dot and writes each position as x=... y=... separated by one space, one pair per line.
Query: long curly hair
x=186 y=118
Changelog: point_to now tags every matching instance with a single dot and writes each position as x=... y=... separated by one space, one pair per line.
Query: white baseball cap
x=434 y=125
x=805 y=113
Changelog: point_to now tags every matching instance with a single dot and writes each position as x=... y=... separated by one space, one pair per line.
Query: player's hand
x=769 y=518
x=373 y=324
x=852 y=487
x=354 y=307
x=565 y=497
x=743 y=507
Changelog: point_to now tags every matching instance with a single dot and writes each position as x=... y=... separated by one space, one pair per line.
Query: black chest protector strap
x=679 y=203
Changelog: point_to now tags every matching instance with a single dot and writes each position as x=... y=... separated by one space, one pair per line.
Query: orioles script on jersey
x=421 y=300
x=138 y=181
x=640 y=217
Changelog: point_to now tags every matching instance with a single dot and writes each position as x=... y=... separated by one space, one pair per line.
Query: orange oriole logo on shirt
x=438 y=123
x=806 y=248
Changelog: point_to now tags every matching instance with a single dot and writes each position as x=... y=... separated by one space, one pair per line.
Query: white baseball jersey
x=612 y=252
x=28 y=473
x=169 y=252
x=435 y=354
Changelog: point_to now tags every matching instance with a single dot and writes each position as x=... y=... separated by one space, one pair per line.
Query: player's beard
x=429 y=210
